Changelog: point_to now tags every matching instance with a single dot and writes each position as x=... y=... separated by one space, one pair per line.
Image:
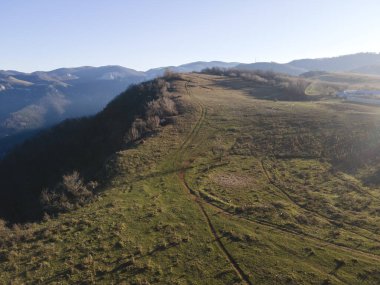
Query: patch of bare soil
x=232 y=180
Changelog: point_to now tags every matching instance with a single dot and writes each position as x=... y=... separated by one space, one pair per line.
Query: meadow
x=247 y=186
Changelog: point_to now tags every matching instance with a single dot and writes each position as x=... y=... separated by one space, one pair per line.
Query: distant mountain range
x=32 y=101
x=366 y=63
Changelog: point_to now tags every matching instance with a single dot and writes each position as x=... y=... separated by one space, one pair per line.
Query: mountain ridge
x=30 y=101
x=207 y=199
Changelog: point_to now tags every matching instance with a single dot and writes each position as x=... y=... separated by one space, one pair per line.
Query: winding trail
x=183 y=164
x=181 y=174
x=243 y=276
x=221 y=210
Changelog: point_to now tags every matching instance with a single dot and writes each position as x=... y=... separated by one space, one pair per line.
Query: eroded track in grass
x=284 y=191
x=243 y=276
x=280 y=228
x=181 y=174
x=185 y=155
x=277 y=227
x=201 y=201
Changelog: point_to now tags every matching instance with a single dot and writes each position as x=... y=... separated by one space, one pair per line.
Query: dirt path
x=239 y=271
x=219 y=209
x=243 y=276
x=272 y=226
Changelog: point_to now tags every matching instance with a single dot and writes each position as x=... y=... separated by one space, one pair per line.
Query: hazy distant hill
x=367 y=63
x=369 y=69
x=273 y=66
x=337 y=64
x=30 y=101
x=190 y=67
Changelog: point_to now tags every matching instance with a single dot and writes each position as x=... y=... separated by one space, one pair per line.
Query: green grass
x=240 y=190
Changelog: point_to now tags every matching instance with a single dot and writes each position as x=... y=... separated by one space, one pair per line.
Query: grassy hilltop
x=251 y=183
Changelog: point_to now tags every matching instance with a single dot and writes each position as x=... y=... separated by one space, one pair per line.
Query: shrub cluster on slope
x=78 y=144
x=156 y=113
x=68 y=194
x=293 y=88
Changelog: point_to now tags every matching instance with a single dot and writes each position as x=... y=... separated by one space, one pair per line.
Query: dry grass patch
x=233 y=180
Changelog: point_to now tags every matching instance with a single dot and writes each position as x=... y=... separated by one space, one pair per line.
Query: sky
x=143 y=34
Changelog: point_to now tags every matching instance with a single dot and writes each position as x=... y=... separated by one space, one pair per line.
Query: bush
x=164 y=106
x=84 y=144
x=152 y=122
x=171 y=75
x=156 y=111
x=3 y=229
x=70 y=193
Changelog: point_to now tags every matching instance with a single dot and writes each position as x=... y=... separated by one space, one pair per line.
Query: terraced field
x=242 y=189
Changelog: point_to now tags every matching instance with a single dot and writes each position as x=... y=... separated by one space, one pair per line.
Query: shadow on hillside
x=260 y=90
x=83 y=145
x=159 y=174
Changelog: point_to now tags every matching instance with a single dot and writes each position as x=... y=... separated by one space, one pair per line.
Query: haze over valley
x=30 y=102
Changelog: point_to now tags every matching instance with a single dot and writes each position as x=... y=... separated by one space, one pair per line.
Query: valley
x=190 y=142
x=241 y=188
x=32 y=102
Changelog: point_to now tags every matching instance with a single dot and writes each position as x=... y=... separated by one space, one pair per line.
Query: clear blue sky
x=141 y=34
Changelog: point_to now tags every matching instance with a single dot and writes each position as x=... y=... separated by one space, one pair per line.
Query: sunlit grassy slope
x=324 y=83
x=242 y=189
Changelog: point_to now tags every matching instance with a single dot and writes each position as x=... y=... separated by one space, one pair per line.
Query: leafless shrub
x=138 y=128
x=4 y=230
x=133 y=134
x=168 y=106
x=171 y=75
x=153 y=109
x=70 y=193
x=157 y=110
x=152 y=122
x=2 y=224
x=161 y=107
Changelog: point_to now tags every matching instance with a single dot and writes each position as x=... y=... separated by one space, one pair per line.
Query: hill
x=74 y=145
x=369 y=69
x=29 y=102
x=363 y=63
x=33 y=101
x=274 y=67
x=249 y=184
x=343 y=63
x=345 y=80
